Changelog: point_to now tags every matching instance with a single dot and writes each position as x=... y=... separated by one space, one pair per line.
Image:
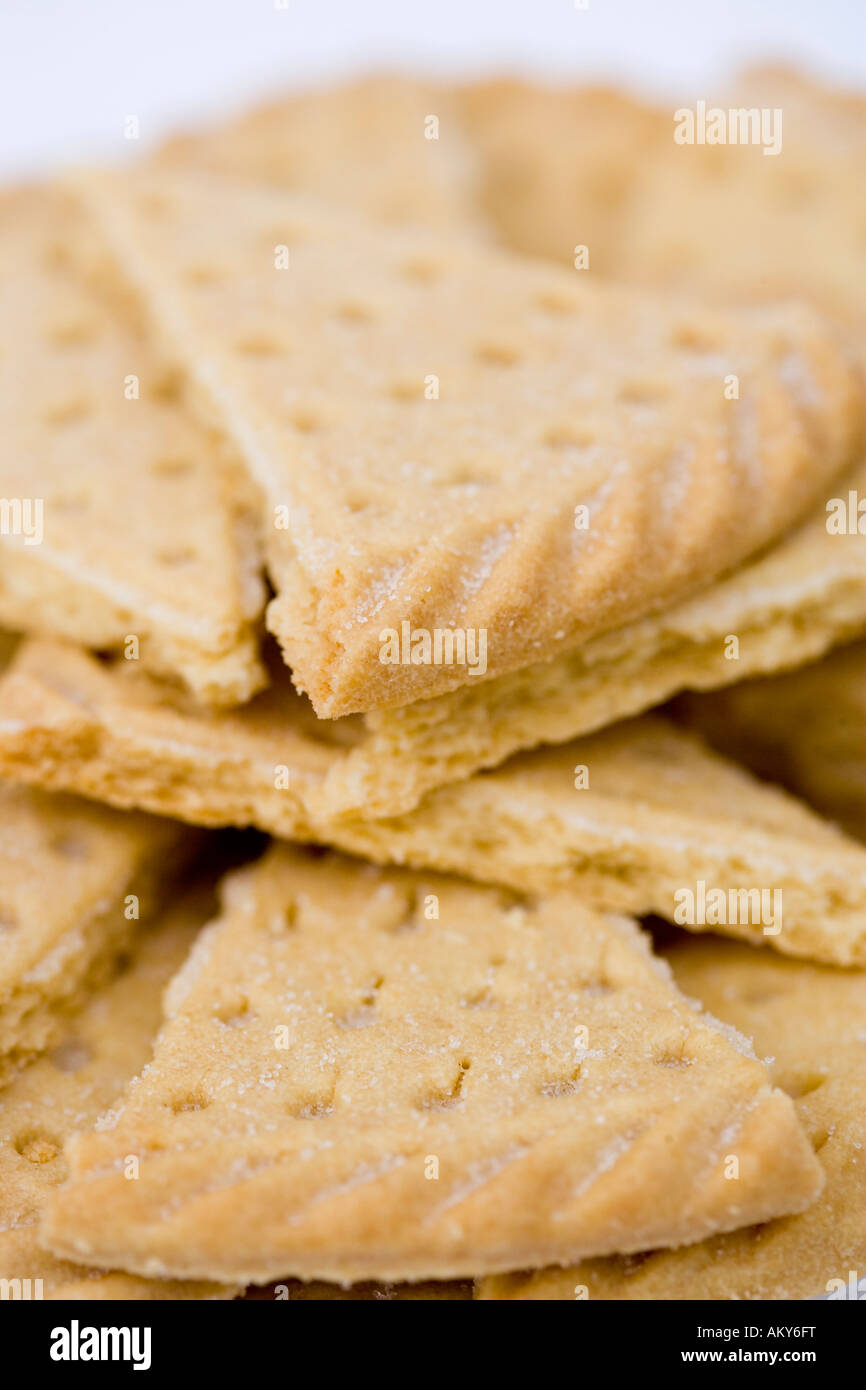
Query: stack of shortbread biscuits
x=377 y=469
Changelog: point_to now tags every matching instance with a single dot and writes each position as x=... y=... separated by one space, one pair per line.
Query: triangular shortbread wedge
x=390 y=146
x=104 y=1044
x=470 y=462
x=118 y=510
x=634 y=819
x=806 y=730
x=370 y=1074
x=75 y=879
x=810 y=1020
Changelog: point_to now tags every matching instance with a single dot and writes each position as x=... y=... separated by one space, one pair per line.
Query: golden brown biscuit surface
x=75 y=879
x=634 y=819
x=556 y=166
x=810 y=1019
x=788 y=606
x=139 y=537
x=401 y=514
x=728 y=222
x=105 y=1043
x=806 y=730
x=387 y=145
x=350 y=1086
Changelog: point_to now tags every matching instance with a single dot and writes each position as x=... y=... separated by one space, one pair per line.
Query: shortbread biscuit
x=727 y=221
x=74 y=881
x=783 y=609
x=123 y=524
x=632 y=819
x=789 y=606
x=643 y=819
x=536 y=168
x=390 y=146
x=556 y=167
x=105 y=1043
x=607 y=470
x=811 y=1020
x=350 y=1087
x=111 y=732
x=806 y=730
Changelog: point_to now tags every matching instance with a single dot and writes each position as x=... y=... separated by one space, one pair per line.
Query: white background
x=72 y=70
